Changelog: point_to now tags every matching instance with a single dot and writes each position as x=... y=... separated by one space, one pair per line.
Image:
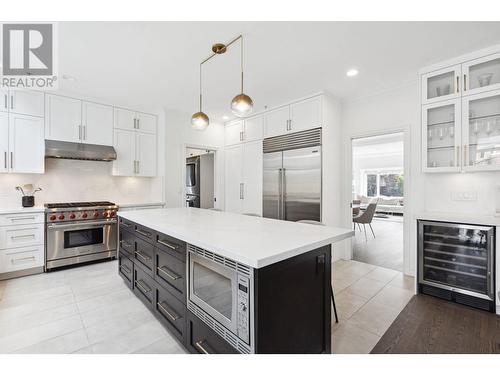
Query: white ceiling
x=154 y=65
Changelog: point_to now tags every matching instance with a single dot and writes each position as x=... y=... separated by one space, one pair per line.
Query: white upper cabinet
x=277 y=122
x=146 y=154
x=443 y=84
x=233 y=133
x=482 y=74
x=305 y=114
x=26 y=144
x=4 y=142
x=27 y=102
x=124 y=144
x=253 y=128
x=97 y=121
x=146 y=123
x=125 y=119
x=63 y=118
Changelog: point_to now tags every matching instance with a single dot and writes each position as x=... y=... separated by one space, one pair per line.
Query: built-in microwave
x=220 y=292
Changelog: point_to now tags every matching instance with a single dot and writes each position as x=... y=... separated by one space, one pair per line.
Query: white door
x=4 y=100
x=27 y=102
x=254 y=129
x=276 y=122
x=305 y=115
x=4 y=142
x=481 y=131
x=481 y=75
x=146 y=123
x=26 y=144
x=125 y=119
x=233 y=179
x=441 y=136
x=440 y=85
x=146 y=154
x=233 y=133
x=63 y=118
x=252 y=178
x=97 y=120
x=124 y=144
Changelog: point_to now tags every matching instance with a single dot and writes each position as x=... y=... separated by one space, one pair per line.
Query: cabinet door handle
x=167 y=272
x=466 y=162
x=125 y=243
x=12 y=102
x=127 y=270
x=135 y=123
x=173 y=316
x=138 y=166
x=143 y=257
x=6 y=98
x=5 y=159
x=465 y=82
x=80 y=132
x=138 y=123
x=22 y=218
x=458 y=157
x=145 y=289
x=31 y=258
x=241 y=190
x=458 y=84
x=11 y=160
x=126 y=225
x=23 y=236
x=85 y=132
x=144 y=233
x=169 y=245
x=201 y=348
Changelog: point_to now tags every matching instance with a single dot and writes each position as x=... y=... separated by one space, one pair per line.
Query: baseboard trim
x=27 y=272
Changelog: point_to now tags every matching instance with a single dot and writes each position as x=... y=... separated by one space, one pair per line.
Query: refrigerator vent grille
x=306 y=138
x=229 y=263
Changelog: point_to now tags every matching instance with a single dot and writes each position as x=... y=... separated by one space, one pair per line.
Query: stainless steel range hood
x=78 y=151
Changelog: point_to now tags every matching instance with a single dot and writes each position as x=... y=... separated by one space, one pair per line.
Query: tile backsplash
x=75 y=180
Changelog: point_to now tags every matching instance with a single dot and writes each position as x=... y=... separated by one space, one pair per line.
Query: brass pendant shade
x=241 y=105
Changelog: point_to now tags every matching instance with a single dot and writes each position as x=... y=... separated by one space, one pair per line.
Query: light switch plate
x=462 y=196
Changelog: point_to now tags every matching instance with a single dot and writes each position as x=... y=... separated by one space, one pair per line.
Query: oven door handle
x=84 y=224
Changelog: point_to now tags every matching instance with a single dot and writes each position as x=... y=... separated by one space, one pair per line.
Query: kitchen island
x=229 y=283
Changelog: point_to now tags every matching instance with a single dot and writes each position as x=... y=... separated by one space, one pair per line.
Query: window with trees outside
x=384 y=183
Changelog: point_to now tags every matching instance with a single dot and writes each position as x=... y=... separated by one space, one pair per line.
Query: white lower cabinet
x=21 y=258
x=21 y=235
x=22 y=144
x=243 y=178
x=136 y=154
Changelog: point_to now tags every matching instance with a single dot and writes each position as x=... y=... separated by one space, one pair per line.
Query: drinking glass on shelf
x=441 y=133
x=488 y=127
x=451 y=130
x=476 y=127
x=430 y=134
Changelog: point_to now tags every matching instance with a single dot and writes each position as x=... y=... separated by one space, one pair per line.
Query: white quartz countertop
x=253 y=241
x=20 y=209
x=459 y=218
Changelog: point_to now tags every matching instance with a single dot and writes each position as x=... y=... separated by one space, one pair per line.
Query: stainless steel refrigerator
x=292 y=184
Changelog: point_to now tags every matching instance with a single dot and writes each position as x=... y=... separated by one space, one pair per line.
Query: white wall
x=178 y=135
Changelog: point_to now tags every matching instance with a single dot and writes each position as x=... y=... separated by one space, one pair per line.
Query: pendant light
x=199 y=120
x=242 y=104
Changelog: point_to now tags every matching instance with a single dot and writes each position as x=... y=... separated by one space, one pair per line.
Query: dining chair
x=314 y=222
x=366 y=218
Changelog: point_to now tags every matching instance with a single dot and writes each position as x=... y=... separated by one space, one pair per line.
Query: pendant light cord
x=200 y=86
x=241 y=64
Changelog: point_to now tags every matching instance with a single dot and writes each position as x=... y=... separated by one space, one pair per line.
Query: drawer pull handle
x=22 y=218
x=23 y=236
x=201 y=348
x=127 y=270
x=31 y=258
x=169 y=273
x=145 y=289
x=125 y=243
x=147 y=234
x=170 y=246
x=144 y=257
x=125 y=224
x=173 y=316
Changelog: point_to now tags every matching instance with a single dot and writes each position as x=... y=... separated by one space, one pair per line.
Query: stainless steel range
x=79 y=232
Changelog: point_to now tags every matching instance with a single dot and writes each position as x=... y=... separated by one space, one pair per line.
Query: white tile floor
x=80 y=310
x=90 y=310
x=368 y=299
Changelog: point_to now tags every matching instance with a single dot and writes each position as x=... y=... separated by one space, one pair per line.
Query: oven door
x=74 y=239
x=214 y=288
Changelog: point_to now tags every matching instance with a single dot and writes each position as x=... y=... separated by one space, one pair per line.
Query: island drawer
x=144 y=287
x=125 y=224
x=144 y=256
x=171 y=245
x=144 y=233
x=127 y=242
x=126 y=269
x=170 y=273
x=171 y=312
x=203 y=340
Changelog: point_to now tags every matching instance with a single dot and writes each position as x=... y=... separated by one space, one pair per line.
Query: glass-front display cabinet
x=481 y=75
x=441 y=85
x=441 y=136
x=481 y=131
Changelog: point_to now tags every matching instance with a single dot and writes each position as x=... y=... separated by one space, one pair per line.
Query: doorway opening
x=200 y=177
x=378 y=200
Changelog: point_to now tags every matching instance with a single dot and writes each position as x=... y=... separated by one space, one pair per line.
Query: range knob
x=105 y=214
x=96 y=214
x=112 y=214
x=53 y=217
x=72 y=216
x=85 y=215
x=61 y=217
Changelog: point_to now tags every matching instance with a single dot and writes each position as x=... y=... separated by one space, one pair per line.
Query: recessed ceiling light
x=225 y=118
x=352 y=72
x=69 y=77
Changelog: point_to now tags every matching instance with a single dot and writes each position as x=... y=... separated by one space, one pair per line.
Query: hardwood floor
x=431 y=325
